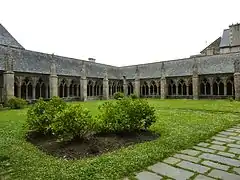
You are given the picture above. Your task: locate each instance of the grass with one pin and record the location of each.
(182, 123)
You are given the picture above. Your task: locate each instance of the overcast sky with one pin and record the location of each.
(118, 32)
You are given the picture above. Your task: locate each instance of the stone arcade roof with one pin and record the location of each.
(7, 39)
(36, 62)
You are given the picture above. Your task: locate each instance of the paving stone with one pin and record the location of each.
(171, 160)
(234, 150)
(226, 154)
(145, 175)
(218, 147)
(228, 133)
(204, 149)
(191, 152)
(203, 144)
(234, 145)
(215, 165)
(235, 137)
(220, 159)
(223, 139)
(202, 177)
(187, 158)
(221, 135)
(218, 142)
(194, 167)
(237, 170)
(170, 171)
(223, 175)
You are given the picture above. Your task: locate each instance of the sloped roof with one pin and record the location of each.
(225, 41)
(6, 39)
(215, 44)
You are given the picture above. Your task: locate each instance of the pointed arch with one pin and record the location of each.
(130, 88)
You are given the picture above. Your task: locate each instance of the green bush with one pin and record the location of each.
(134, 96)
(74, 121)
(118, 95)
(41, 115)
(126, 115)
(231, 99)
(16, 103)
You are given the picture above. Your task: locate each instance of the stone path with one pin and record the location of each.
(218, 158)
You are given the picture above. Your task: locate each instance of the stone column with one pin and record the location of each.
(46, 91)
(137, 87)
(163, 88)
(19, 90)
(8, 85)
(53, 80)
(125, 87)
(53, 84)
(237, 85)
(83, 92)
(34, 91)
(105, 89)
(195, 84)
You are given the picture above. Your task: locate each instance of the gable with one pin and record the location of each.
(6, 39)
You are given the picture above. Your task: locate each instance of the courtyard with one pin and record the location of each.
(180, 124)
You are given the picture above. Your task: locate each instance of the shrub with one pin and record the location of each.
(16, 103)
(118, 95)
(231, 99)
(126, 115)
(73, 121)
(134, 96)
(41, 115)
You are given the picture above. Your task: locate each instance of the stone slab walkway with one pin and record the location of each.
(218, 158)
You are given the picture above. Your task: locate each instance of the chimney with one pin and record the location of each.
(92, 59)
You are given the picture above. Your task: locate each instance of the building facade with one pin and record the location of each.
(215, 73)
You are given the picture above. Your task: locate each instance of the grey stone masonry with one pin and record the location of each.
(219, 158)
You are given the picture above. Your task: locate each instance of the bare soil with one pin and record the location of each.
(96, 145)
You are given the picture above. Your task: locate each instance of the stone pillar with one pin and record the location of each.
(163, 88)
(137, 87)
(34, 92)
(105, 89)
(83, 89)
(125, 87)
(8, 85)
(46, 91)
(195, 80)
(19, 91)
(237, 85)
(53, 84)
(195, 84)
(53, 80)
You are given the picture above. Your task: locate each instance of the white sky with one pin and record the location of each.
(118, 32)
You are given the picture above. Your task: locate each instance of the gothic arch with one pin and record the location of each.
(130, 88)
(153, 88)
(26, 88)
(205, 87)
(230, 85)
(145, 89)
(90, 88)
(171, 87)
(40, 89)
(63, 88)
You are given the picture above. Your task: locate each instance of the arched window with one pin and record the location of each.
(90, 88)
(130, 88)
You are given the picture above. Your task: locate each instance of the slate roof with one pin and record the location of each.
(225, 41)
(7, 39)
(37, 62)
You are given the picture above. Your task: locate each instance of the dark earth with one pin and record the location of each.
(94, 146)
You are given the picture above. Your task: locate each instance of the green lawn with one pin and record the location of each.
(182, 123)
